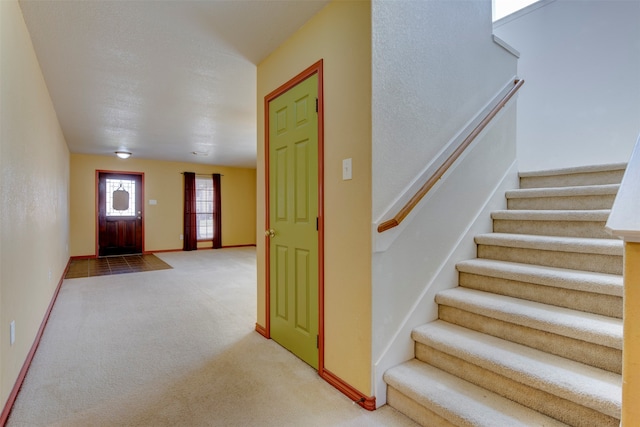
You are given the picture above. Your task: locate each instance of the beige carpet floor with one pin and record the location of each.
(175, 348)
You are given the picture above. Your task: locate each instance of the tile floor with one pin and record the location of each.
(114, 265)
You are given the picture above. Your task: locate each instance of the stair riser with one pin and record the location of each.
(420, 414)
(588, 229)
(571, 180)
(546, 403)
(606, 305)
(599, 356)
(562, 203)
(611, 264)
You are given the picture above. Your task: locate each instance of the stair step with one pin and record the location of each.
(428, 395)
(593, 328)
(597, 293)
(598, 283)
(581, 197)
(584, 337)
(551, 384)
(599, 255)
(577, 176)
(568, 223)
(536, 319)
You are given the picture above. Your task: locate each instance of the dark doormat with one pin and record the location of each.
(114, 265)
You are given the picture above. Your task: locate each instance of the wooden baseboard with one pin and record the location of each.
(199, 249)
(262, 331)
(161, 251)
(27, 363)
(80, 257)
(367, 402)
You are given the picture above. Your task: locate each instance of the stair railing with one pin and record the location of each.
(438, 174)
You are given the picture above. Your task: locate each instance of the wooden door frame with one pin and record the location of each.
(97, 209)
(313, 69)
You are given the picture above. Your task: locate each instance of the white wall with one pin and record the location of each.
(421, 261)
(434, 67)
(435, 71)
(581, 63)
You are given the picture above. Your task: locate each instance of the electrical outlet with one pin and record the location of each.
(49, 275)
(181, 237)
(12, 332)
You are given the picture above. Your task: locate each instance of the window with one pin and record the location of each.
(204, 208)
(502, 8)
(121, 196)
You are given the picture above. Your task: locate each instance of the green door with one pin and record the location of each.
(293, 212)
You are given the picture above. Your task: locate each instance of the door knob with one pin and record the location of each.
(270, 232)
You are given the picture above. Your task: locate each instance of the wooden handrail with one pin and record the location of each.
(412, 203)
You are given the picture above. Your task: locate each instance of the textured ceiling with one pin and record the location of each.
(162, 79)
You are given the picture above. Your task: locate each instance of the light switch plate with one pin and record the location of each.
(347, 172)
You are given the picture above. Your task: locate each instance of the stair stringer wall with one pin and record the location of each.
(438, 234)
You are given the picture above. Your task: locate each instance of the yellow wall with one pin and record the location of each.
(164, 183)
(34, 195)
(341, 35)
(631, 350)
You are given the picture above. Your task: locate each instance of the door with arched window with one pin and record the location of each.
(120, 213)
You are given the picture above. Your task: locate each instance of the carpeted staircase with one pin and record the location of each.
(532, 336)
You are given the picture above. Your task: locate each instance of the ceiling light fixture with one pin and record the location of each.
(123, 154)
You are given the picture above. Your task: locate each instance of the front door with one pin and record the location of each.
(119, 213)
(293, 220)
